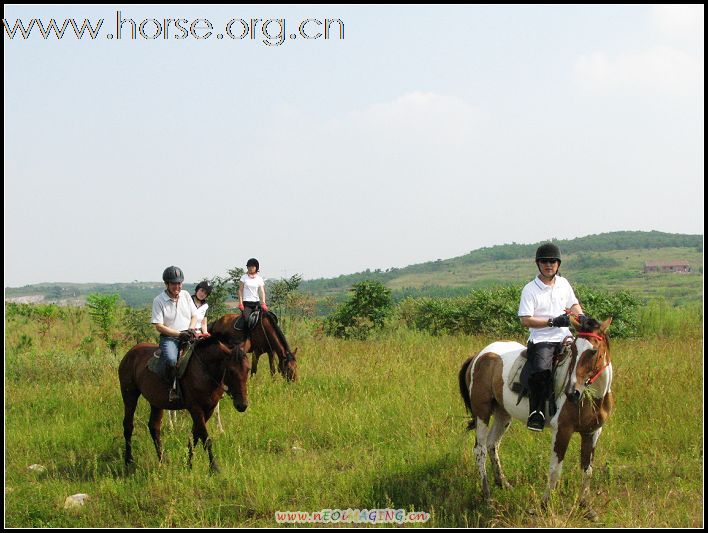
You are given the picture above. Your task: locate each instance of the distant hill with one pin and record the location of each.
(610, 261)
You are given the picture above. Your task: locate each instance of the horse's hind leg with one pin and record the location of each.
(130, 402)
(480, 453)
(154, 427)
(500, 424)
(587, 452)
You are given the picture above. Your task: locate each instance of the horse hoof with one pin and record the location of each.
(591, 515)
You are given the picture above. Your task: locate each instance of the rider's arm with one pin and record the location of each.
(240, 292)
(534, 321)
(164, 330)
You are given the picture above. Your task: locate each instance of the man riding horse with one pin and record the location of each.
(547, 296)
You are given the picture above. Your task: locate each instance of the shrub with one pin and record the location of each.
(364, 312)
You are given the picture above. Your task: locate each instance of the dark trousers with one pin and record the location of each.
(540, 383)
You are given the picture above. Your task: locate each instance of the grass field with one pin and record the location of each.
(371, 424)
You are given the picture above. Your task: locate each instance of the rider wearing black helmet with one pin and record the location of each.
(174, 316)
(251, 289)
(544, 307)
(201, 293)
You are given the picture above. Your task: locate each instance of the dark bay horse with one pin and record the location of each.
(212, 368)
(584, 401)
(264, 338)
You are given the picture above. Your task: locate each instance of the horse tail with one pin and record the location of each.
(464, 391)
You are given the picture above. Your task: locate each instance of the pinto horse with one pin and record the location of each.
(264, 338)
(584, 401)
(212, 368)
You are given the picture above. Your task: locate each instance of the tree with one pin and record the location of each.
(364, 312)
(103, 309)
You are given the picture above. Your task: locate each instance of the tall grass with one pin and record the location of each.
(370, 424)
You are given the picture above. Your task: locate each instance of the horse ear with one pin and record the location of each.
(605, 325)
(574, 322)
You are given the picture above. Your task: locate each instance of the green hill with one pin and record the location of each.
(610, 261)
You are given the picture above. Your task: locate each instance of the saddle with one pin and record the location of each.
(185, 353)
(515, 383)
(253, 319)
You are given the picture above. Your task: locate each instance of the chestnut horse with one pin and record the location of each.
(264, 338)
(584, 401)
(212, 368)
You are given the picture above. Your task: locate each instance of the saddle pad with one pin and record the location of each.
(514, 382)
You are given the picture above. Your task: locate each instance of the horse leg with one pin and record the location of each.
(587, 452)
(254, 363)
(480, 453)
(190, 452)
(154, 426)
(218, 419)
(500, 424)
(130, 402)
(559, 443)
(199, 432)
(271, 361)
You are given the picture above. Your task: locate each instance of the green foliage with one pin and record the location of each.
(364, 312)
(224, 288)
(103, 310)
(494, 312)
(136, 322)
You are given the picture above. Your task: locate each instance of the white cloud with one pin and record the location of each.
(677, 22)
(660, 68)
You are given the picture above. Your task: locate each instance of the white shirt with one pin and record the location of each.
(201, 313)
(173, 314)
(541, 300)
(250, 287)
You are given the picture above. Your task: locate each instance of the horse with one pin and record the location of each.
(584, 402)
(264, 338)
(212, 368)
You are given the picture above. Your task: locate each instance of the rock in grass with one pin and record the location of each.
(37, 469)
(75, 501)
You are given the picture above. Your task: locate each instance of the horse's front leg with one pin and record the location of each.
(587, 452)
(154, 426)
(271, 361)
(199, 432)
(559, 445)
(254, 363)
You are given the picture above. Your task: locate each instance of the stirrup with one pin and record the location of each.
(173, 396)
(536, 421)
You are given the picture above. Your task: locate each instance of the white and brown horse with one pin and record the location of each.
(584, 401)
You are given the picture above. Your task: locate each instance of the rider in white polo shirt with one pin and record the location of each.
(174, 316)
(547, 296)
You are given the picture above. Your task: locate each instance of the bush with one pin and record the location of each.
(494, 312)
(364, 312)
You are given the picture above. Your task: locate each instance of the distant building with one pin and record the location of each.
(668, 266)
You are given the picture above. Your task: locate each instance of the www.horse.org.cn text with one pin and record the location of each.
(271, 31)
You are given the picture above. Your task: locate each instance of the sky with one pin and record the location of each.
(420, 133)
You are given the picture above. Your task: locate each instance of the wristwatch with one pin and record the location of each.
(550, 322)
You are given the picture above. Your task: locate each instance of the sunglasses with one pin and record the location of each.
(548, 261)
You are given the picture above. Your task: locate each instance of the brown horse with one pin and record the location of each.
(212, 368)
(264, 338)
(584, 401)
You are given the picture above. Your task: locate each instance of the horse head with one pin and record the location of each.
(288, 365)
(237, 369)
(591, 357)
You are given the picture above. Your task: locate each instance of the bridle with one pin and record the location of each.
(591, 379)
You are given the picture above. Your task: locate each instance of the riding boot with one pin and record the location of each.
(537, 388)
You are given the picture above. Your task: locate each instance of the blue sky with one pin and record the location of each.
(424, 133)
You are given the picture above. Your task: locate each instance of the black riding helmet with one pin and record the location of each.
(253, 262)
(548, 251)
(208, 287)
(173, 274)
